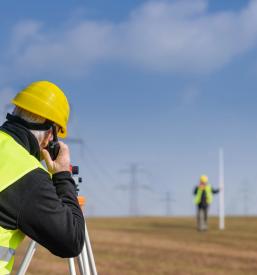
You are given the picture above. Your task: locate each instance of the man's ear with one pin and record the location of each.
(46, 140)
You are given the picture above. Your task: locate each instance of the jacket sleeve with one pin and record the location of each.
(215, 191)
(50, 214)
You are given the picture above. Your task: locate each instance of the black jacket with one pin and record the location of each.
(44, 209)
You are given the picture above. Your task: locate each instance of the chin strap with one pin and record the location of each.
(30, 125)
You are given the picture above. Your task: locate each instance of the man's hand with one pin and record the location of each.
(62, 162)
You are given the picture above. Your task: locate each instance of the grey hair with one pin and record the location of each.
(30, 117)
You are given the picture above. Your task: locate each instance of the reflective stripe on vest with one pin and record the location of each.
(6, 253)
(6, 259)
(15, 162)
(199, 193)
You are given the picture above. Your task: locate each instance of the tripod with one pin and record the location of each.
(85, 259)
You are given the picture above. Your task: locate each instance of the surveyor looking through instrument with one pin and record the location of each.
(34, 201)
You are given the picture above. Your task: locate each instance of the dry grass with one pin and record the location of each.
(130, 246)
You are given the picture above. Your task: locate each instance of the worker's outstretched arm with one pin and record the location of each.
(215, 191)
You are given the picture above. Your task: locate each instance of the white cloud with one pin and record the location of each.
(178, 36)
(190, 96)
(22, 33)
(70, 51)
(193, 41)
(6, 94)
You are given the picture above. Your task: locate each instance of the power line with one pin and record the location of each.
(77, 141)
(100, 175)
(133, 188)
(168, 203)
(101, 168)
(104, 190)
(245, 195)
(100, 195)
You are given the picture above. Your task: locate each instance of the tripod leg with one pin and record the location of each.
(81, 265)
(27, 258)
(89, 252)
(85, 260)
(72, 266)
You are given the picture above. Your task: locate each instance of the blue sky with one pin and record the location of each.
(162, 84)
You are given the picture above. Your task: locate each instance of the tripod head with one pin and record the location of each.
(75, 172)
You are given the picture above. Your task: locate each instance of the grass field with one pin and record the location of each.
(129, 246)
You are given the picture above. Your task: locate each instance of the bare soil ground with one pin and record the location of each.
(132, 246)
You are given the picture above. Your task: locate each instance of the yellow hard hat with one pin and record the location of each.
(47, 100)
(204, 179)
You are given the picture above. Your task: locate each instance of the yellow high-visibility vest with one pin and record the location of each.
(15, 162)
(199, 193)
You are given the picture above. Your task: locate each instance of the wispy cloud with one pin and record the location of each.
(6, 94)
(190, 95)
(179, 36)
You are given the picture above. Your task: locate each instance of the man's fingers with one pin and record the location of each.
(61, 163)
(47, 157)
(64, 147)
(64, 150)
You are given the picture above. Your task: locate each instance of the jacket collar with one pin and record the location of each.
(23, 136)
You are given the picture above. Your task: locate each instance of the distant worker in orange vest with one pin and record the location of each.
(203, 198)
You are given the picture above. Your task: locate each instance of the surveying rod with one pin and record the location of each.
(221, 187)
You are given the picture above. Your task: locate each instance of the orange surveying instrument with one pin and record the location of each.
(85, 260)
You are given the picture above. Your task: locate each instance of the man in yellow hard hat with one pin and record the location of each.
(34, 201)
(203, 198)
